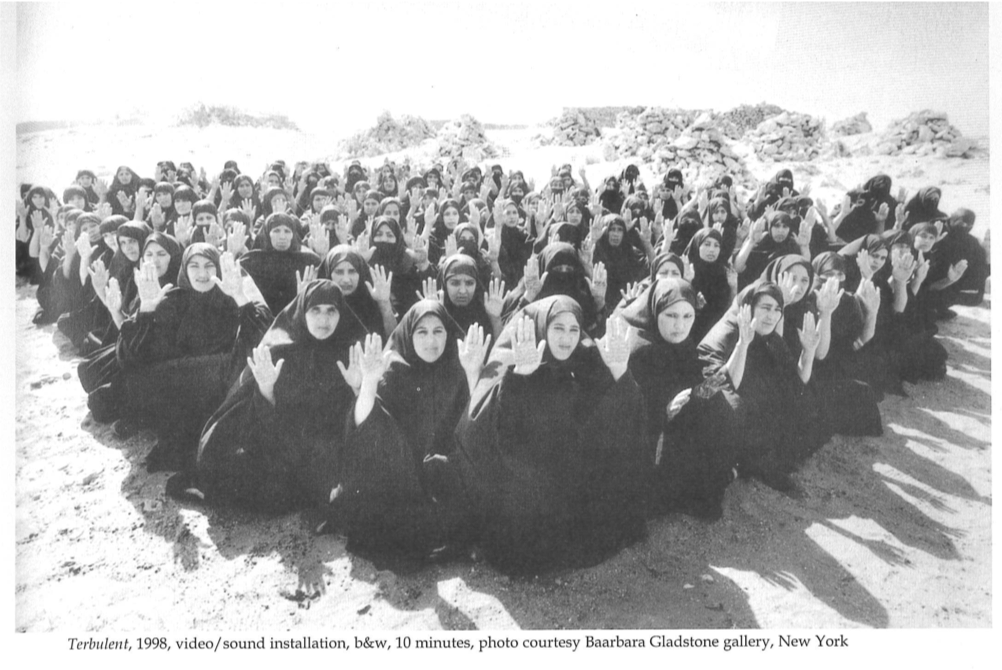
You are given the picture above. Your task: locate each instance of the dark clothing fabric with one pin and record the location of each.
(360, 302)
(710, 280)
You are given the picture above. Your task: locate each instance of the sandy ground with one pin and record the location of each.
(892, 531)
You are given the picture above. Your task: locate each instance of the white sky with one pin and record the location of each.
(504, 61)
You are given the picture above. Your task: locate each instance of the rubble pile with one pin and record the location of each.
(787, 137)
(387, 136)
(464, 137)
(574, 128)
(702, 153)
(639, 135)
(854, 125)
(738, 121)
(923, 133)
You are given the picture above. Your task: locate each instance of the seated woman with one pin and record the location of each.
(770, 237)
(718, 212)
(713, 278)
(277, 259)
(690, 450)
(399, 492)
(958, 266)
(775, 412)
(468, 302)
(449, 216)
(552, 447)
(409, 268)
(624, 263)
(274, 443)
(81, 311)
(98, 370)
(366, 294)
(130, 239)
(183, 349)
(923, 207)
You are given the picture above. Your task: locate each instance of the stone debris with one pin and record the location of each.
(702, 153)
(787, 137)
(854, 125)
(464, 138)
(924, 133)
(387, 136)
(639, 135)
(738, 121)
(573, 128)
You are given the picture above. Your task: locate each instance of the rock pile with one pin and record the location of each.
(388, 135)
(638, 135)
(464, 137)
(854, 125)
(738, 121)
(787, 137)
(923, 133)
(574, 128)
(702, 153)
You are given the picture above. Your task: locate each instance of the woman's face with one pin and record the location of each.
(183, 207)
(801, 282)
(563, 335)
(779, 232)
(675, 322)
(322, 320)
(511, 215)
(432, 180)
(392, 211)
(111, 241)
(164, 199)
(450, 215)
(517, 192)
(124, 175)
(281, 238)
(616, 235)
(669, 270)
(384, 234)
(829, 274)
(460, 289)
(279, 203)
(200, 271)
(388, 183)
(709, 250)
(205, 219)
(318, 202)
(346, 277)
(768, 313)
(38, 200)
(898, 252)
(610, 185)
(877, 259)
(91, 229)
(719, 215)
(157, 255)
(130, 248)
(369, 206)
(574, 216)
(274, 181)
(77, 201)
(85, 180)
(245, 189)
(429, 338)
(924, 241)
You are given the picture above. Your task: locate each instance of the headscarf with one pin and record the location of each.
(274, 221)
(394, 256)
(172, 247)
(289, 327)
(778, 266)
(872, 244)
(666, 257)
(687, 224)
(643, 312)
(474, 312)
(924, 206)
(573, 284)
(360, 301)
(715, 349)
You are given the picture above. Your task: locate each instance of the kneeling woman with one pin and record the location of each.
(273, 443)
(778, 419)
(398, 491)
(183, 349)
(552, 445)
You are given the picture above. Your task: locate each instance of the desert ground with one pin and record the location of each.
(890, 532)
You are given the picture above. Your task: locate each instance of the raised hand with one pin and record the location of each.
(882, 212)
(379, 287)
(732, 278)
(472, 350)
(309, 274)
(430, 215)
(362, 245)
(319, 241)
(113, 297)
(902, 267)
(746, 326)
(125, 200)
(791, 293)
(494, 243)
(528, 354)
(451, 247)
(869, 297)
(810, 334)
(494, 298)
(899, 217)
(373, 360)
(104, 210)
(182, 229)
(598, 283)
(226, 194)
(688, 271)
(45, 236)
(614, 347)
(38, 219)
(247, 207)
(758, 230)
(265, 371)
(863, 262)
(631, 292)
(20, 208)
(645, 231)
(148, 287)
(921, 269)
(805, 234)
(100, 187)
(829, 295)
(231, 283)
(587, 251)
(957, 270)
(429, 290)
(84, 248)
(69, 244)
(420, 251)
(702, 200)
(902, 195)
(533, 282)
(215, 234)
(353, 373)
(628, 218)
(99, 278)
(157, 217)
(236, 241)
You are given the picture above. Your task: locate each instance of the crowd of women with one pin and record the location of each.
(456, 357)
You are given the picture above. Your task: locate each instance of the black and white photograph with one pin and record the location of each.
(419, 324)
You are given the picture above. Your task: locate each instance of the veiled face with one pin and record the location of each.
(563, 335)
(322, 320)
(675, 322)
(429, 338)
